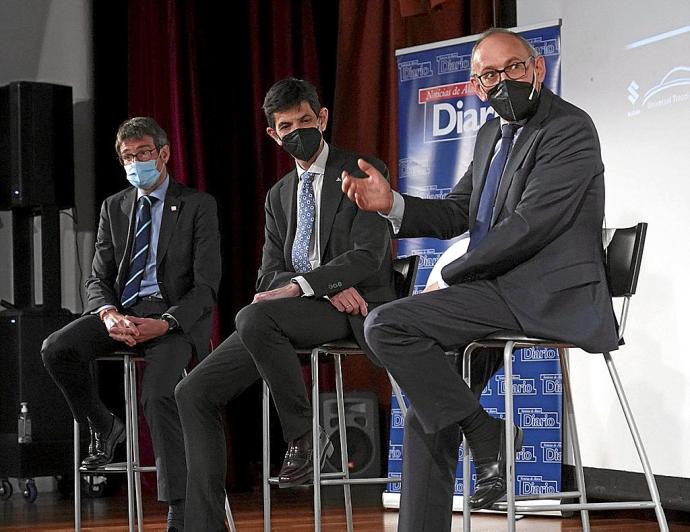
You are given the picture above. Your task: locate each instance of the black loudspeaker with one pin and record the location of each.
(36, 145)
(24, 379)
(363, 436)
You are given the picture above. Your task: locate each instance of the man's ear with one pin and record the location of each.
(272, 133)
(165, 153)
(323, 118)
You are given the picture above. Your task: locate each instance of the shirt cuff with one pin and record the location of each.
(307, 290)
(395, 216)
(101, 309)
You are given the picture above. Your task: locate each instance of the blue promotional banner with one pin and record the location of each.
(439, 116)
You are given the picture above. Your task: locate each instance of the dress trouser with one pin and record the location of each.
(410, 337)
(263, 347)
(67, 355)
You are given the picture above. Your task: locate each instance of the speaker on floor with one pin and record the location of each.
(36, 145)
(362, 428)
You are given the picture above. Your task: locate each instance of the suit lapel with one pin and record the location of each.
(522, 145)
(331, 196)
(484, 150)
(288, 198)
(127, 218)
(171, 209)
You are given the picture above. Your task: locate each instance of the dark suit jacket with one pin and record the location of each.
(545, 249)
(188, 257)
(355, 245)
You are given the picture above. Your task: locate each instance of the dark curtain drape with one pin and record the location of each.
(201, 68)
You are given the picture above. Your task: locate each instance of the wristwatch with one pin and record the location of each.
(172, 322)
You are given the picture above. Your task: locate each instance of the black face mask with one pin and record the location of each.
(514, 100)
(302, 143)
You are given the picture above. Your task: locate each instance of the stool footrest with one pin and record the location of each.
(117, 467)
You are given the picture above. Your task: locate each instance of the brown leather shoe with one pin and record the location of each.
(298, 465)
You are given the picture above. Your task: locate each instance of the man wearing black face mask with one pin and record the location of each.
(533, 202)
(325, 264)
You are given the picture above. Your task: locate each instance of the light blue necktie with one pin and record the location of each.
(306, 214)
(493, 177)
(140, 251)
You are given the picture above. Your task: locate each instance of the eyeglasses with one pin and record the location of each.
(514, 71)
(141, 156)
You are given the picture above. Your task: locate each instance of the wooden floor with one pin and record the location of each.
(291, 512)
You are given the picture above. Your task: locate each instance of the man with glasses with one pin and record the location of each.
(153, 284)
(533, 202)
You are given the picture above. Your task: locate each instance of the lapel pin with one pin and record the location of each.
(339, 179)
(173, 208)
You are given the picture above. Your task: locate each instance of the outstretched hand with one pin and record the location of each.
(370, 193)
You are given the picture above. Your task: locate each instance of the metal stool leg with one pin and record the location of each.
(466, 453)
(77, 479)
(133, 411)
(343, 441)
(315, 437)
(128, 424)
(266, 466)
(510, 443)
(649, 476)
(228, 515)
(574, 437)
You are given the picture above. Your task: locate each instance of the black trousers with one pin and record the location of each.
(410, 337)
(67, 355)
(263, 347)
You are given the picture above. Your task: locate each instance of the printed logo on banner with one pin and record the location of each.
(536, 418)
(461, 453)
(526, 454)
(546, 46)
(459, 486)
(520, 386)
(429, 191)
(396, 484)
(495, 412)
(672, 89)
(409, 167)
(397, 419)
(453, 62)
(536, 485)
(415, 69)
(452, 112)
(538, 354)
(427, 257)
(551, 452)
(487, 391)
(418, 289)
(551, 384)
(395, 452)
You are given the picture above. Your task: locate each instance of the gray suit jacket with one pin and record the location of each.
(188, 257)
(355, 245)
(545, 249)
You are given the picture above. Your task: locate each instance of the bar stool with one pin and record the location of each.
(132, 466)
(406, 271)
(623, 260)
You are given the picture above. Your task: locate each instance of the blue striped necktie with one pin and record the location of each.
(306, 214)
(140, 251)
(493, 177)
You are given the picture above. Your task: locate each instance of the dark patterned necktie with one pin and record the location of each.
(306, 214)
(140, 252)
(493, 177)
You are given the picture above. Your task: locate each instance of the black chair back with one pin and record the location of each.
(623, 259)
(405, 274)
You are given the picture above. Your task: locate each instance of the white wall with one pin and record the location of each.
(646, 150)
(50, 41)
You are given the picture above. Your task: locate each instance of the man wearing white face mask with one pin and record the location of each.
(153, 283)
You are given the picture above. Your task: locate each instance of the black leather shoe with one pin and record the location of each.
(491, 474)
(298, 466)
(104, 447)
